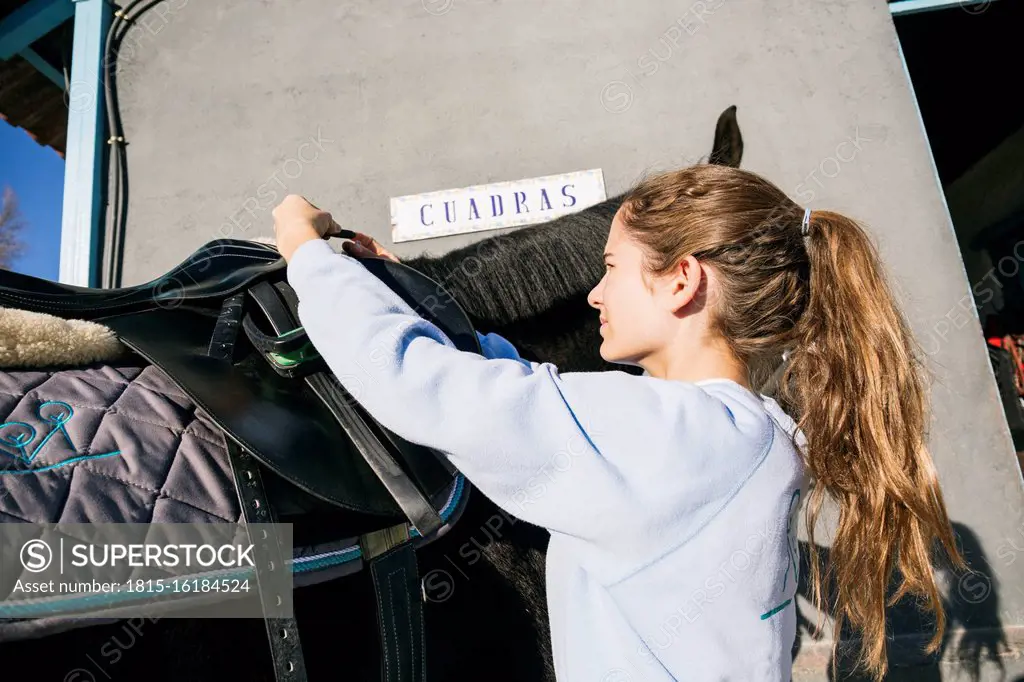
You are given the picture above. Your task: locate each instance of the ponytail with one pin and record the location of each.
(856, 380)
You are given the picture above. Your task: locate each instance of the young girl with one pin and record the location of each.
(671, 498)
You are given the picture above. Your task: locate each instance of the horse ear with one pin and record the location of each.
(727, 149)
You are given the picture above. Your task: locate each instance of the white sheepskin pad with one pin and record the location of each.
(31, 340)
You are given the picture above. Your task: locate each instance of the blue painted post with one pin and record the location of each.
(82, 218)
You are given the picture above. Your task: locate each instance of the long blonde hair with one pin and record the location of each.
(854, 377)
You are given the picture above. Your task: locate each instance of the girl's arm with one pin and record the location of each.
(501, 420)
(596, 455)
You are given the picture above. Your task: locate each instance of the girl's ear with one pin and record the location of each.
(684, 283)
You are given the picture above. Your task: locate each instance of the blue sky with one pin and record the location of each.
(36, 174)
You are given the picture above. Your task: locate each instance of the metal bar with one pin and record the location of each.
(82, 209)
(30, 22)
(905, 7)
(43, 66)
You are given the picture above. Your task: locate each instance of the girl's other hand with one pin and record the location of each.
(363, 245)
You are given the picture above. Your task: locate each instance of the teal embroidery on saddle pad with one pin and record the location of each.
(16, 439)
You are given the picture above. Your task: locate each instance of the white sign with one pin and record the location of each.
(490, 207)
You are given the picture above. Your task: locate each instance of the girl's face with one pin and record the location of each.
(640, 316)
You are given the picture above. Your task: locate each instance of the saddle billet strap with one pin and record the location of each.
(283, 317)
(413, 503)
(268, 555)
(282, 633)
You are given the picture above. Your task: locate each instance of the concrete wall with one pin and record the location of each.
(352, 103)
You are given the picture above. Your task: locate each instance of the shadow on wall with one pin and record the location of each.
(974, 633)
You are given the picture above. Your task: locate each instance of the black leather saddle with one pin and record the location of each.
(224, 326)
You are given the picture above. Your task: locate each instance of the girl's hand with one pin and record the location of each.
(297, 221)
(363, 245)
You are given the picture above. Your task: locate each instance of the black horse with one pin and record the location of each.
(486, 614)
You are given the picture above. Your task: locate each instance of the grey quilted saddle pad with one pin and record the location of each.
(109, 444)
(120, 443)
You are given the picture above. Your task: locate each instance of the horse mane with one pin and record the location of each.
(525, 273)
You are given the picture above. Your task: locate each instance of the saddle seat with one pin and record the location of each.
(218, 269)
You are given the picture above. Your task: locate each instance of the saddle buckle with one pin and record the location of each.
(378, 542)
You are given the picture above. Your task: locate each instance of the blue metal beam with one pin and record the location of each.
(43, 66)
(82, 210)
(30, 22)
(903, 7)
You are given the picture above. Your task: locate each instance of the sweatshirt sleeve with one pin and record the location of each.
(504, 422)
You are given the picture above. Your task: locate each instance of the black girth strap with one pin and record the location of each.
(268, 555)
(396, 583)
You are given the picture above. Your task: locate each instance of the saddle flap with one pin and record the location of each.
(279, 420)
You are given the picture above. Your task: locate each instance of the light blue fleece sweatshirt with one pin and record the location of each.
(671, 505)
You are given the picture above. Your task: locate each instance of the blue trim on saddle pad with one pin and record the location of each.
(37, 608)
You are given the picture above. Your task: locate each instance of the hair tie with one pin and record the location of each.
(805, 225)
